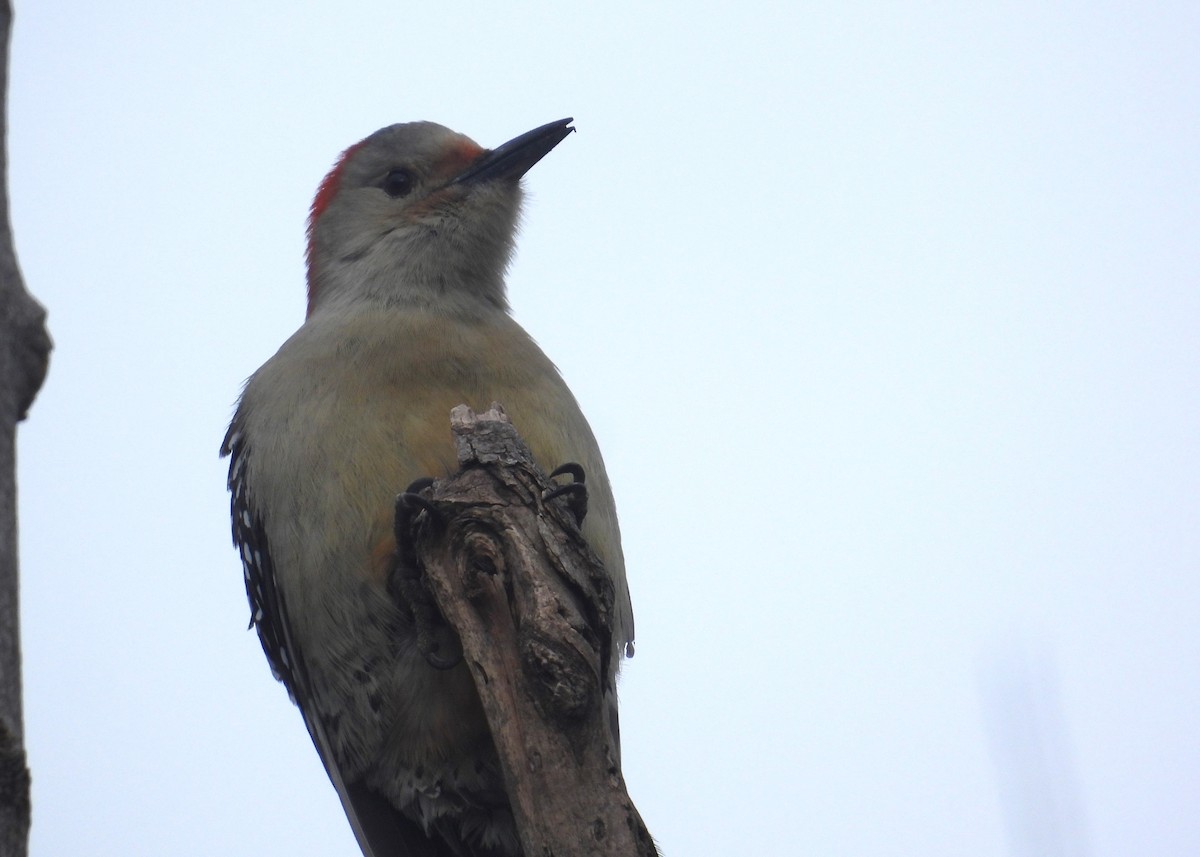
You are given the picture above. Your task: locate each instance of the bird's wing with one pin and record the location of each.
(381, 830)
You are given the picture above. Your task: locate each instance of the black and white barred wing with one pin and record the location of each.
(381, 831)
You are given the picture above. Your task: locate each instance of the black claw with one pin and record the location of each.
(414, 501)
(417, 503)
(575, 489)
(575, 492)
(575, 470)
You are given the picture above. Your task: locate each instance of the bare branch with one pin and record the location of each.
(533, 608)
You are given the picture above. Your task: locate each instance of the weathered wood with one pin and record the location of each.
(532, 606)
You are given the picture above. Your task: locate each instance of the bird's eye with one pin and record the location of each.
(398, 183)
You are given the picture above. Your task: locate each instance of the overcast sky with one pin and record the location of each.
(886, 317)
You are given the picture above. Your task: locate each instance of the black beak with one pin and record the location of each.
(514, 158)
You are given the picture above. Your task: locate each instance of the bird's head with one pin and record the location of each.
(417, 214)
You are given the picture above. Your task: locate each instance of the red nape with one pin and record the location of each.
(325, 193)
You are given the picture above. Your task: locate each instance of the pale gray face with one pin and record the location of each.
(390, 223)
(398, 168)
(417, 215)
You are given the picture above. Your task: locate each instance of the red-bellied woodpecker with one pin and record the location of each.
(408, 241)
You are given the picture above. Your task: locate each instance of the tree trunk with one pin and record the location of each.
(24, 355)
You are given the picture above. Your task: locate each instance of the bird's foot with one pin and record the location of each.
(575, 491)
(436, 641)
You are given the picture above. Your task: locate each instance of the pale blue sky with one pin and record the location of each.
(886, 316)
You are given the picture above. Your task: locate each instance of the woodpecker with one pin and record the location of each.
(409, 239)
